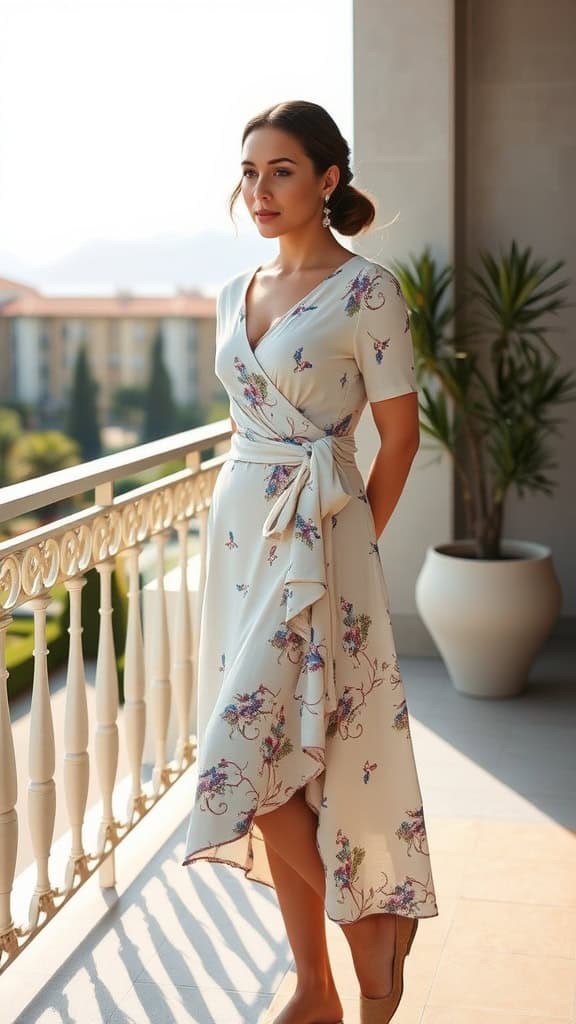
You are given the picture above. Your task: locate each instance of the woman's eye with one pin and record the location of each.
(280, 170)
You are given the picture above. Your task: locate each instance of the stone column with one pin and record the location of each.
(403, 154)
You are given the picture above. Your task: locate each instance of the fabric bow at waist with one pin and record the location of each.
(319, 463)
(304, 507)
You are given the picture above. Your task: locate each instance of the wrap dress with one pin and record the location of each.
(298, 677)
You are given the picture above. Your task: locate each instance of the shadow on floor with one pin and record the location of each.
(513, 758)
(192, 936)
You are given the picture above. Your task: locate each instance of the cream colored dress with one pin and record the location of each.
(299, 684)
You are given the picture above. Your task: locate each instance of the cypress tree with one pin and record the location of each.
(159, 407)
(82, 422)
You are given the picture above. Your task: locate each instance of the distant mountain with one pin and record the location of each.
(201, 261)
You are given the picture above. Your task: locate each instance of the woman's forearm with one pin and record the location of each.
(386, 480)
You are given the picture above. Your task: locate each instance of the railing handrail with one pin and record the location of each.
(18, 499)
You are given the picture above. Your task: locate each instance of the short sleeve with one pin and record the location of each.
(383, 347)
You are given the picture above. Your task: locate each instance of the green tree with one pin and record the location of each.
(82, 421)
(190, 416)
(35, 454)
(159, 409)
(10, 430)
(128, 405)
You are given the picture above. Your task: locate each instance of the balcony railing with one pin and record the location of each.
(31, 565)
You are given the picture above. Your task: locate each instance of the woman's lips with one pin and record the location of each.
(266, 215)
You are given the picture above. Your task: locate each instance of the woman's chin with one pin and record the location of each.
(270, 230)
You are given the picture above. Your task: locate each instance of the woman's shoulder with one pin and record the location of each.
(384, 273)
(234, 283)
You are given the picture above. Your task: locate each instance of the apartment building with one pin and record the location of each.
(40, 336)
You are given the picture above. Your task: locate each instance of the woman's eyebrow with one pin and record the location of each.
(277, 160)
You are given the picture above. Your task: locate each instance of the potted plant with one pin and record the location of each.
(489, 396)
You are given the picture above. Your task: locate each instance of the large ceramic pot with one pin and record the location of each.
(488, 618)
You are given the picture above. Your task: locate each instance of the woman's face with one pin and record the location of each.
(277, 176)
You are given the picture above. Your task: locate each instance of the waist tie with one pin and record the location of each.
(303, 506)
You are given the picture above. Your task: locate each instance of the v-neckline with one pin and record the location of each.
(281, 319)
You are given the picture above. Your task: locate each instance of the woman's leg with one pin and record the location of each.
(290, 833)
(315, 998)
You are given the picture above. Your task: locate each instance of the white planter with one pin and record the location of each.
(488, 618)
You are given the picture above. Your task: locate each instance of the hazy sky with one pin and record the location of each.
(121, 119)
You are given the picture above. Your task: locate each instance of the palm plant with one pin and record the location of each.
(489, 393)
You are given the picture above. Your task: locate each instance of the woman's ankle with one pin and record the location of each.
(315, 978)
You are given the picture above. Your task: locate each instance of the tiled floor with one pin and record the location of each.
(499, 788)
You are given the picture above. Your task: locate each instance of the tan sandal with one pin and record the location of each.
(381, 1011)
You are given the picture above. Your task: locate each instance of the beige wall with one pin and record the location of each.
(403, 153)
(520, 177)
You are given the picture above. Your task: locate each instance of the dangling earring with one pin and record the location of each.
(326, 211)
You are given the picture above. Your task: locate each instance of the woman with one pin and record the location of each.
(306, 773)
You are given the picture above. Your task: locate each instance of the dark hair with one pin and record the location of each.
(351, 210)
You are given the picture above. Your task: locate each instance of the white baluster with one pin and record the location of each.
(41, 762)
(134, 706)
(106, 736)
(182, 658)
(203, 531)
(8, 796)
(160, 692)
(76, 760)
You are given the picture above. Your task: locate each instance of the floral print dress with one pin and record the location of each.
(299, 684)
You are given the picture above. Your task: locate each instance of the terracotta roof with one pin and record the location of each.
(9, 287)
(34, 304)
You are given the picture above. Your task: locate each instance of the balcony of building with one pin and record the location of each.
(462, 126)
(99, 921)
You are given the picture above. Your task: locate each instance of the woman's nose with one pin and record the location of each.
(261, 188)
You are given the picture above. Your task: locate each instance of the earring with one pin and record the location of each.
(326, 212)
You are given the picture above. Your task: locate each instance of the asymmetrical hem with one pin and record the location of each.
(298, 679)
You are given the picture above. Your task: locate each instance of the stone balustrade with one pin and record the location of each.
(61, 552)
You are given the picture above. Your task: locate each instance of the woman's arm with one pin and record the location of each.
(396, 420)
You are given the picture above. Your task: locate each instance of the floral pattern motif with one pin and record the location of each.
(357, 292)
(301, 364)
(288, 643)
(379, 347)
(355, 637)
(309, 692)
(277, 481)
(242, 714)
(412, 832)
(341, 428)
(367, 771)
(255, 385)
(306, 531)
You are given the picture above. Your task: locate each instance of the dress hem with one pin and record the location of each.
(202, 854)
